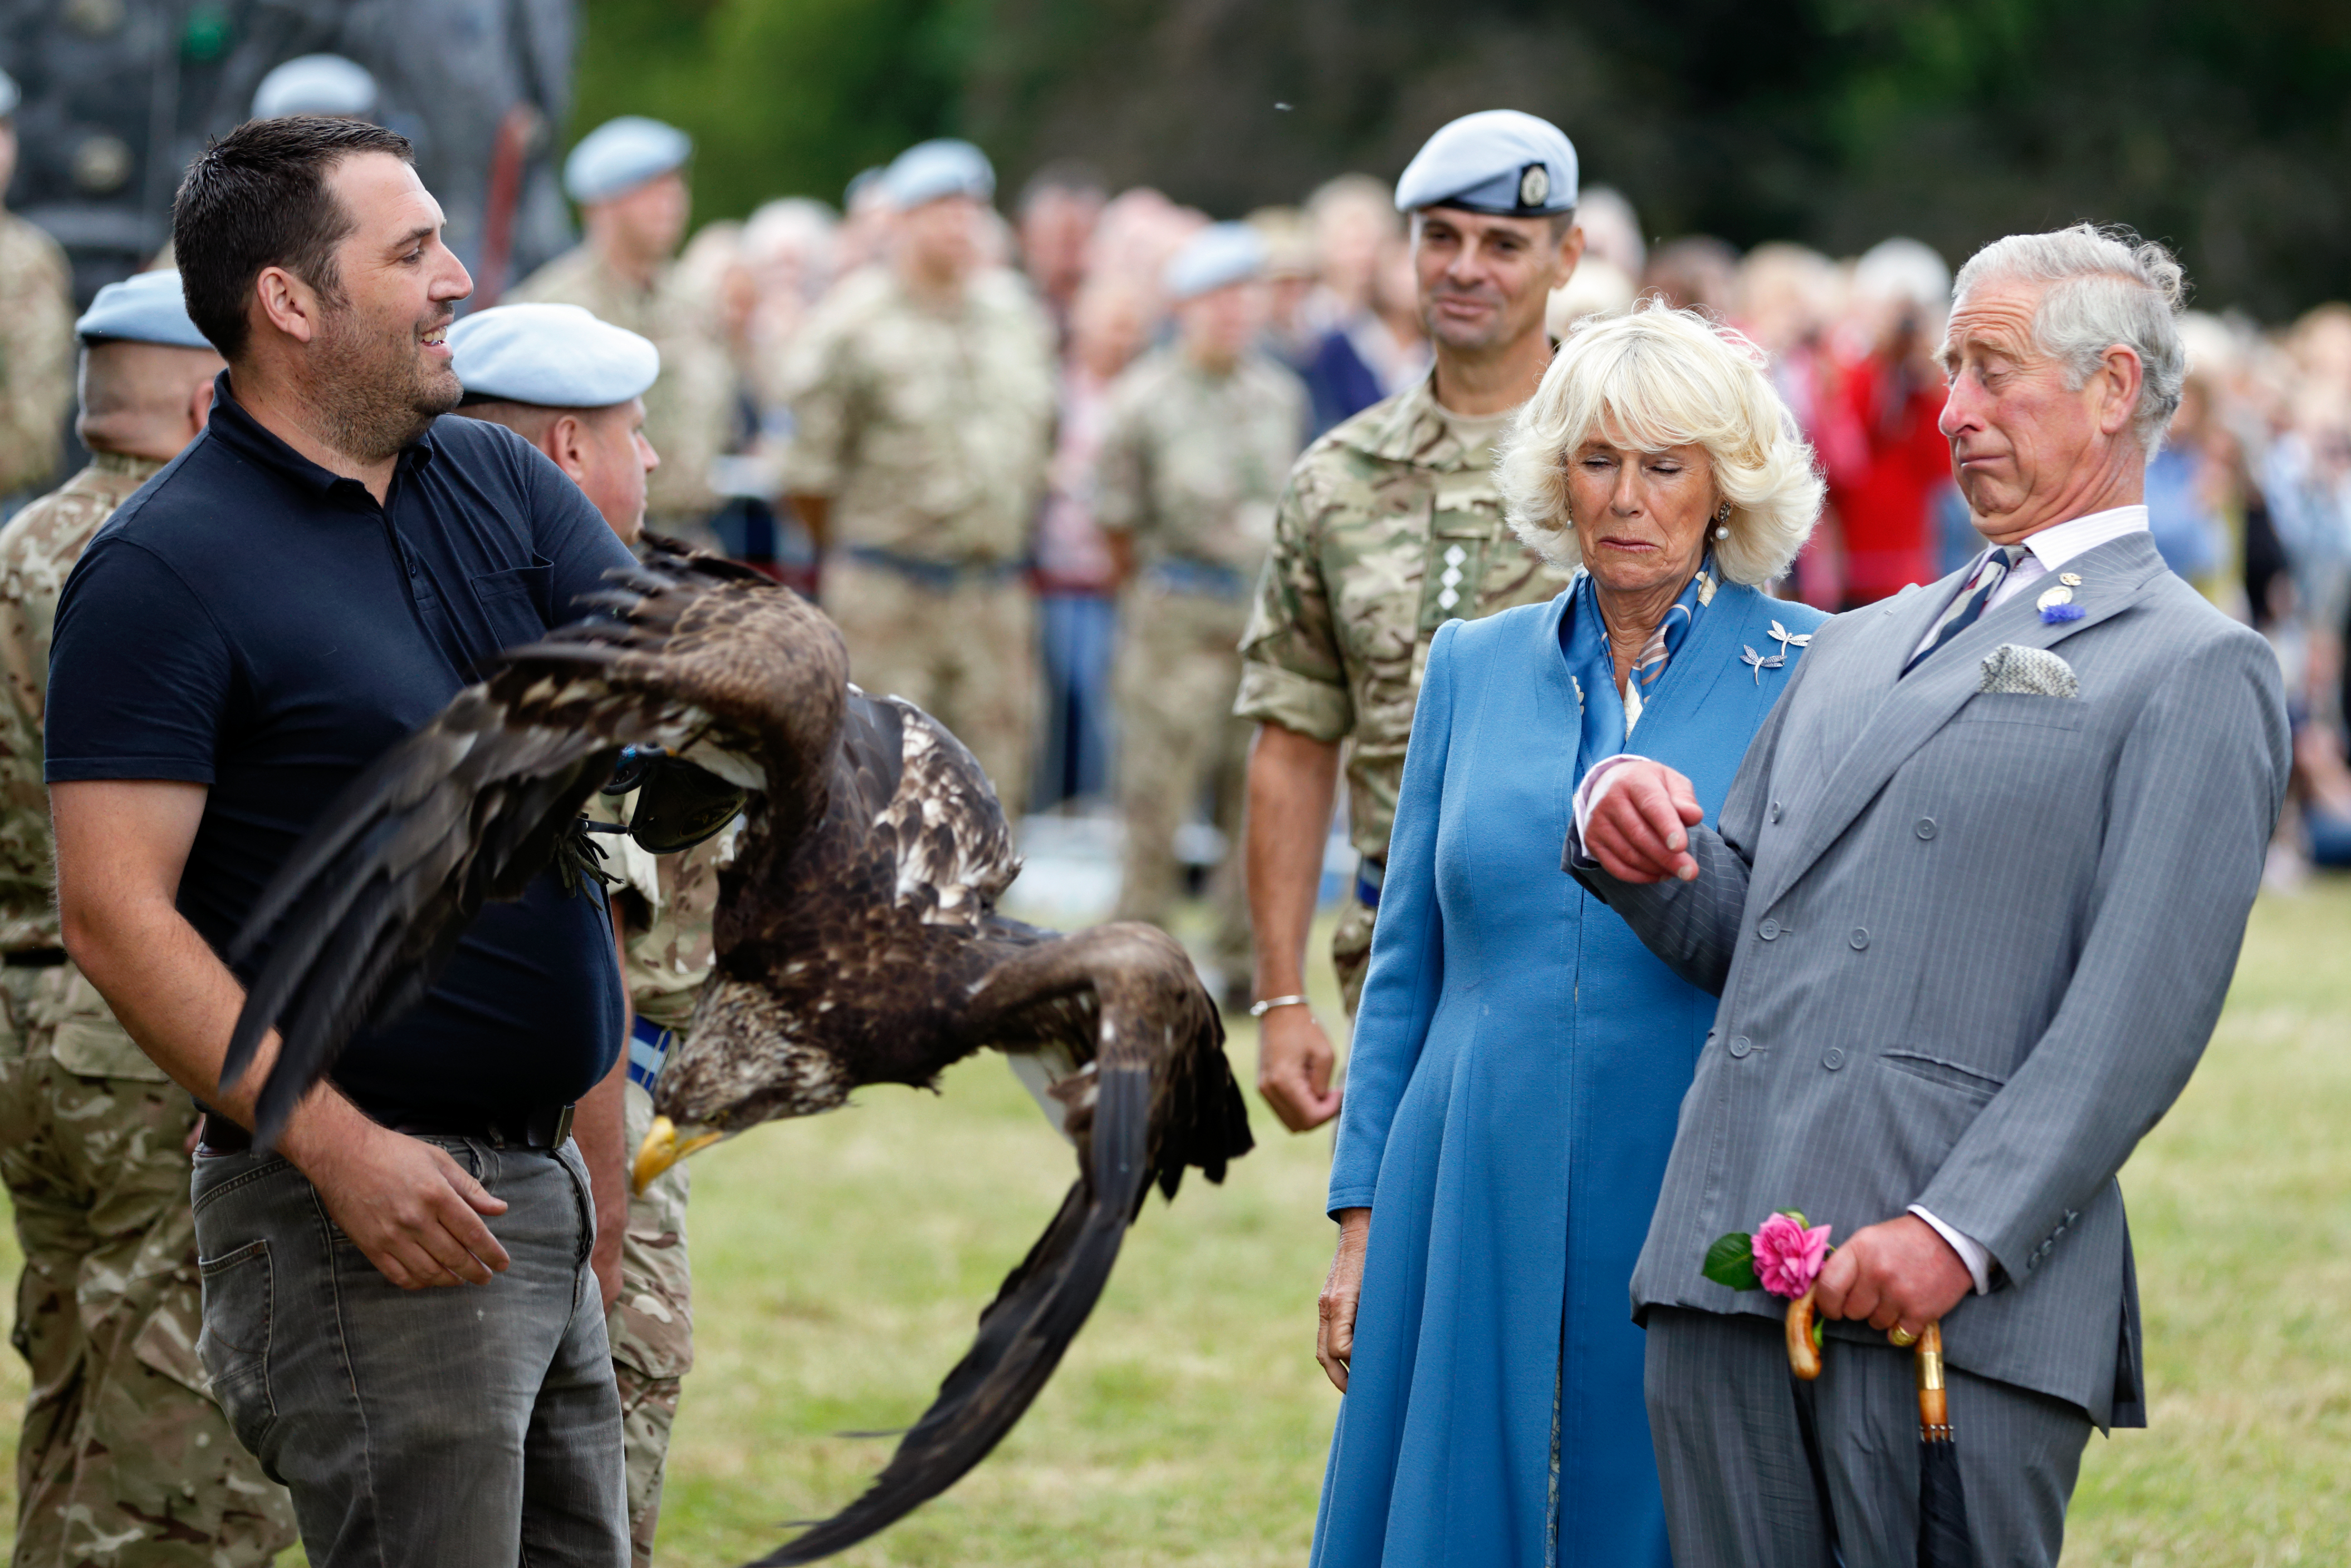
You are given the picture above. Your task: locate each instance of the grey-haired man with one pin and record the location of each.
(1971, 906)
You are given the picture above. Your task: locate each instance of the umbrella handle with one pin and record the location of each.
(1803, 1347)
(1934, 1399)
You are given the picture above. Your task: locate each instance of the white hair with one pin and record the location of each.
(2099, 287)
(1656, 378)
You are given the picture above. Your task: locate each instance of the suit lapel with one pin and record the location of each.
(1891, 724)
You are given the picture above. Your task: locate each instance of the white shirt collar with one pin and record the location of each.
(2053, 547)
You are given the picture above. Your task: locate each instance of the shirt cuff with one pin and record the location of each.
(1971, 1252)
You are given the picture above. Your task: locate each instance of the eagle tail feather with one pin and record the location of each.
(1023, 1333)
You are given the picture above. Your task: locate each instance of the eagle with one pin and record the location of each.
(857, 935)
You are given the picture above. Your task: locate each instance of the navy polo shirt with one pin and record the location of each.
(252, 623)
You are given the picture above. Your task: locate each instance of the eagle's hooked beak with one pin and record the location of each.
(661, 1150)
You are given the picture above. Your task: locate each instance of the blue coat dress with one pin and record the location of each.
(1518, 1061)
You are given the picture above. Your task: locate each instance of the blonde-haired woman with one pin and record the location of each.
(1518, 1057)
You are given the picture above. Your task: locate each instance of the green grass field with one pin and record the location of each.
(841, 1262)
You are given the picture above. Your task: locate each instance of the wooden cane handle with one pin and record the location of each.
(1804, 1355)
(1934, 1399)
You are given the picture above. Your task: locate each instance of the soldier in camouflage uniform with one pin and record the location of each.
(573, 387)
(922, 395)
(1198, 438)
(35, 336)
(663, 916)
(1391, 527)
(627, 177)
(124, 1461)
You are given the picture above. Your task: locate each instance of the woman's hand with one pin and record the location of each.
(1335, 1337)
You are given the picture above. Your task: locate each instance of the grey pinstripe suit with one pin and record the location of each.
(1969, 947)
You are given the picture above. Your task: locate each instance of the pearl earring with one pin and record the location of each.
(1723, 516)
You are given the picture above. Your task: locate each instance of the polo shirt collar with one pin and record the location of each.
(235, 428)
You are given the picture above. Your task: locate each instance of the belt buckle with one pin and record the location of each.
(563, 1124)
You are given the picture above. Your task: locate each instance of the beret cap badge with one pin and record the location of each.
(1534, 185)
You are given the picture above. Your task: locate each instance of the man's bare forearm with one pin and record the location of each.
(1292, 782)
(600, 1128)
(158, 975)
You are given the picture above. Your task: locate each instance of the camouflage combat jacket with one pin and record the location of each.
(36, 353)
(667, 903)
(929, 429)
(690, 407)
(1388, 529)
(38, 549)
(1192, 462)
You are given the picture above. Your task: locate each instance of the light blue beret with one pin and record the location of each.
(621, 154)
(558, 356)
(1218, 254)
(929, 170)
(145, 308)
(1498, 162)
(10, 95)
(316, 84)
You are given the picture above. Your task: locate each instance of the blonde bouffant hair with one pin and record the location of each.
(1653, 377)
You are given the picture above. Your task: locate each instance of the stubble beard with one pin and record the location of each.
(372, 392)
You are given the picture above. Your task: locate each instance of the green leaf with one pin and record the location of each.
(1731, 1261)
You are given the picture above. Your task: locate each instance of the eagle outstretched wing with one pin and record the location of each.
(705, 658)
(1154, 1095)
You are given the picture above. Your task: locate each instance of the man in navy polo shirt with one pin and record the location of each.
(315, 576)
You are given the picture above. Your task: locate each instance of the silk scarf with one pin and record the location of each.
(1611, 714)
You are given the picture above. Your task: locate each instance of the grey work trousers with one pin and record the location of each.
(464, 1427)
(1739, 1493)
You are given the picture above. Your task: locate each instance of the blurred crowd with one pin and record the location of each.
(2251, 496)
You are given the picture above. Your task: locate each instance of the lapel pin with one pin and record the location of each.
(2057, 605)
(2070, 579)
(1787, 640)
(1762, 662)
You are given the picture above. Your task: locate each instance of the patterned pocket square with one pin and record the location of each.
(2032, 671)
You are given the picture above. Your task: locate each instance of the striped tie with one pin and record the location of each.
(1969, 610)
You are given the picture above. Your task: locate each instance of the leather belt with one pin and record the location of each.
(541, 1127)
(1199, 579)
(938, 576)
(34, 959)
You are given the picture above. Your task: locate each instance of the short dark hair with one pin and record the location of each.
(258, 198)
(1072, 176)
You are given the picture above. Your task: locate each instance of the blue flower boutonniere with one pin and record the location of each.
(2057, 605)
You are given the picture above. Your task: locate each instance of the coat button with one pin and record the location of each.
(1740, 1045)
(1832, 1058)
(1860, 938)
(1769, 930)
(1926, 828)
(1775, 811)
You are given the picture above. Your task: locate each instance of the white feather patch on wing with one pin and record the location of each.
(955, 854)
(1039, 1071)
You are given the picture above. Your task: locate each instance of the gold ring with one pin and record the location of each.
(1903, 1338)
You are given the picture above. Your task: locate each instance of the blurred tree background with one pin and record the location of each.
(2225, 128)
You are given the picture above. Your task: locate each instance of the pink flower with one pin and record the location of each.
(1788, 1257)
